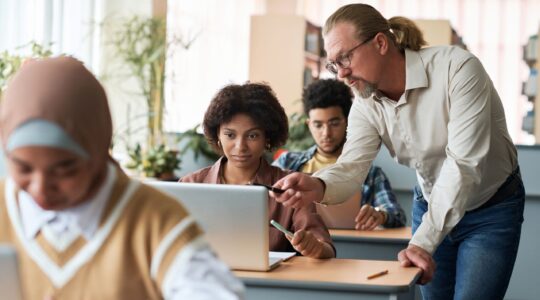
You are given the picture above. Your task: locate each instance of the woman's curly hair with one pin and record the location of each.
(256, 100)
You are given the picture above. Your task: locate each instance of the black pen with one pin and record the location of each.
(270, 188)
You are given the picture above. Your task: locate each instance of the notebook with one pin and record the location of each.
(233, 217)
(341, 216)
(10, 286)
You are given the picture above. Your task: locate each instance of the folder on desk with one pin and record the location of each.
(284, 256)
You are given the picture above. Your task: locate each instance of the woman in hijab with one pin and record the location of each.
(242, 122)
(82, 229)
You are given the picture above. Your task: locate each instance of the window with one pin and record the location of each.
(66, 26)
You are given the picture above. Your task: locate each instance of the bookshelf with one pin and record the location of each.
(439, 32)
(286, 51)
(531, 53)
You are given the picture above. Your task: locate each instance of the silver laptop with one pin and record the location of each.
(10, 286)
(234, 219)
(341, 216)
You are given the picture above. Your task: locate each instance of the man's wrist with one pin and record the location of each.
(323, 184)
(383, 213)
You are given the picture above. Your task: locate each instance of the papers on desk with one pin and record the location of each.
(281, 255)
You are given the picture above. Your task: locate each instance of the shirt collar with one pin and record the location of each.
(415, 73)
(312, 150)
(215, 171)
(85, 216)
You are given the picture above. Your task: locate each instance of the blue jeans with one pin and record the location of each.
(475, 260)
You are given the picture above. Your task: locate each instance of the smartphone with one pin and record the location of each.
(281, 228)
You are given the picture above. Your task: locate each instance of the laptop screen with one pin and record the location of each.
(234, 219)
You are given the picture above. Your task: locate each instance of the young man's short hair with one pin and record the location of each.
(326, 93)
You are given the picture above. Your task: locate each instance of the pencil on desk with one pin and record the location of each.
(377, 274)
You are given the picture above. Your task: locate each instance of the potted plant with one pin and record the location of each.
(157, 162)
(141, 44)
(10, 63)
(299, 139)
(194, 141)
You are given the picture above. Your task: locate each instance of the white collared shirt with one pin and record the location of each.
(449, 125)
(64, 226)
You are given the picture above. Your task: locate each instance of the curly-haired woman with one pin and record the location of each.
(241, 123)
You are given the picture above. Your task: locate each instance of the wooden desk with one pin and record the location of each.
(336, 279)
(383, 244)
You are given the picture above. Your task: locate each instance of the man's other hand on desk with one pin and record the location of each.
(416, 256)
(300, 190)
(308, 245)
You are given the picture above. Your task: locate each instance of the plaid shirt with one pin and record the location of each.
(376, 190)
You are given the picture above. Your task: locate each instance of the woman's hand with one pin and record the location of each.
(308, 245)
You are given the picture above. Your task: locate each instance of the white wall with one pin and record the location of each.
(218, 55)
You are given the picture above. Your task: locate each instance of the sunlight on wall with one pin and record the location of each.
(217, 56)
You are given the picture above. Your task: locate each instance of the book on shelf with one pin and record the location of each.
(530, 88)
(530, 51)
(528, 122)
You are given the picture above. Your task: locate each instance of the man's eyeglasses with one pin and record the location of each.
(344, 60)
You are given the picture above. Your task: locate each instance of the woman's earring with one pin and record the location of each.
(219, 143)
(268, 147)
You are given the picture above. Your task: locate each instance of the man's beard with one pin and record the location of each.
(366, 92)
(337, 149)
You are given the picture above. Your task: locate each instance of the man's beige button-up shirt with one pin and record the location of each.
(449, 125)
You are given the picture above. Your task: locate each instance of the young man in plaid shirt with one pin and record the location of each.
(327, 104)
